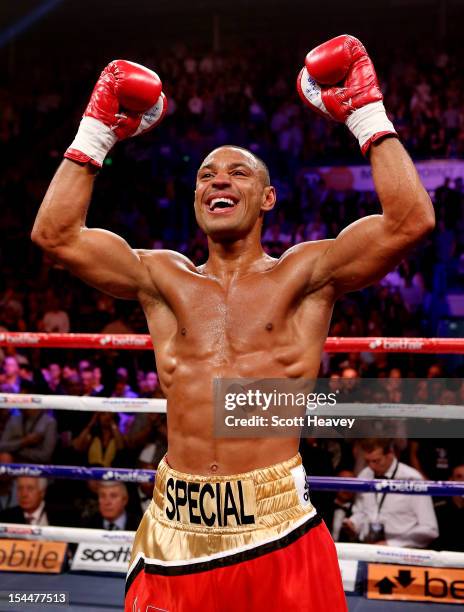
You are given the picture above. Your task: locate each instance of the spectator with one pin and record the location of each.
(8, 497)
(348, 384)
(52, 376)
(113, 498)
(11, 300)
(98, 386)
(100, 440)
(11, 379)
(342, 509)
(394, 386)
(391, 519)
(32, 507)
(84, 364)
(70, 379)
(122, 387)
(149, 385)
(450, 515)
(87, 381)
(28, 437)
(55, 319)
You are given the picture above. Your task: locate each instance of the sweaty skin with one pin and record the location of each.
(242, 313)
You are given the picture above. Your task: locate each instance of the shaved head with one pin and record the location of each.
(254, 159)
(241, 180)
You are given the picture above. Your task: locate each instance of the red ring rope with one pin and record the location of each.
(143, 342)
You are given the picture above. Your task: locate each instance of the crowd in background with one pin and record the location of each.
(145, 190)
(145, 193)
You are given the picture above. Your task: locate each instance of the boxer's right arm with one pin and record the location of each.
(127, 100)
(100, 258)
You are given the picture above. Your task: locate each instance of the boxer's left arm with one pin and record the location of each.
(339, 82)
(369, 248)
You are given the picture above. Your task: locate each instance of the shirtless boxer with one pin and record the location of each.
(231, 526)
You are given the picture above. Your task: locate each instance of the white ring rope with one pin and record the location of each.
(371, 553)
(356, 552)
(148, 405)
(82, 403)
(65, 534)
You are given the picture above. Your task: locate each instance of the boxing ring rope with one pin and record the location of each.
(158, 406)
(346, 551)
(144, 342)
(71, 535)
(82, 403)
(369, 553)
(320, 483)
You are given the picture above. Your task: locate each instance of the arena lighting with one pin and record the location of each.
(26, 22)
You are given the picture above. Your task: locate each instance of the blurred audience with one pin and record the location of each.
(112, 512)
(386, 518)
(450, 516)
(341, 510)
(29, 437)
(145, 193)
(33, 508)
(100, 440)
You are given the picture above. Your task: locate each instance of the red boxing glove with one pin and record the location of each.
(126, 101)
(339, 82)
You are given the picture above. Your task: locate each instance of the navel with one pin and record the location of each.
(183, 331)
(269, 327)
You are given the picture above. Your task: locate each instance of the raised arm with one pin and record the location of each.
(367, 249)
(100, 258)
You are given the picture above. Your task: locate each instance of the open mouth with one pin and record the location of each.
(221, 205)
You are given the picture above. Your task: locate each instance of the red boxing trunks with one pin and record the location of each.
(248, 542)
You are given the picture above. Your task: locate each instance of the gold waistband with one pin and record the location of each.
(193, 517)
(261, 498)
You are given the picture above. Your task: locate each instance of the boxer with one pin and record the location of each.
(231, 525)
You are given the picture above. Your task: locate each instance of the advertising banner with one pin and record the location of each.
(340, 178)
(32, 556)
(102, 558)
(411, 583)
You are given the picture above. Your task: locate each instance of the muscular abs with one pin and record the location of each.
(258, 325)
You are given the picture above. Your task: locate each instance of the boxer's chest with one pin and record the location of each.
(253, 327)
(239, 314)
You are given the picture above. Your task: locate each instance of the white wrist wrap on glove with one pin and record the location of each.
(369, 120)
(94, 139)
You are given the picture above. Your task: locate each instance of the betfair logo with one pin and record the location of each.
(410, 583)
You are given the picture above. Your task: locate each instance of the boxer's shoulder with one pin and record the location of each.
(302, 261)
(165, 269)
(303, 256)
(155, 259)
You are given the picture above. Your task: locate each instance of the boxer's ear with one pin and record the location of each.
(269, 198)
